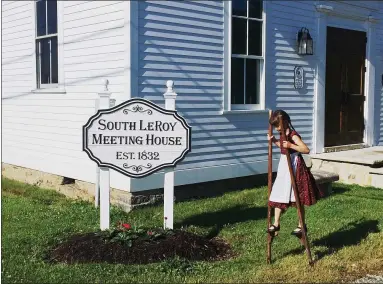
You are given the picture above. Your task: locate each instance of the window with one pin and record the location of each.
(244, 43)
(46, 43)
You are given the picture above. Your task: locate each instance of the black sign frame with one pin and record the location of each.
(125, 104)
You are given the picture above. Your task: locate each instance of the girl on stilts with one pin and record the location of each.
(282, 194)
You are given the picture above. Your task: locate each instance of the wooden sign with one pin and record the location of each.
(136, 138)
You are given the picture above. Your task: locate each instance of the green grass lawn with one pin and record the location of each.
(344, 232)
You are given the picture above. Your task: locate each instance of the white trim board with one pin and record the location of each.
(198, 175)
(34, 57)
(326, 16)
(60, 45)
(369, 85)
(130, 67)
(131, 49)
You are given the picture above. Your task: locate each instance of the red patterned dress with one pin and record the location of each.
(282, 194)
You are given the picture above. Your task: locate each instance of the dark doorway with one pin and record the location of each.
(344, 101)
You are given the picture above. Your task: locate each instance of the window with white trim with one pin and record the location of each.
(46, 43)
(246, 54)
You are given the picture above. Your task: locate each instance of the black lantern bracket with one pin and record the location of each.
(305, 42)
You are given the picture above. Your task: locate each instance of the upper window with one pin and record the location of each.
(246, 56)
(46, 43)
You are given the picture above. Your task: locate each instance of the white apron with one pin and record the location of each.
(282, 191)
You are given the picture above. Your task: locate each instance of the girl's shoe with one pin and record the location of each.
(273, 229)
(298, 231)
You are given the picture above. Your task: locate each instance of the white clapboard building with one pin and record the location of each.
(230, 61)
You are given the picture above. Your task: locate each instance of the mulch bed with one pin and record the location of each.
(91, 248)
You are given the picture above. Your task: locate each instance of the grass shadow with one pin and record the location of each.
(339, 189)
(220, 219)
(200, 191)
(344, 237)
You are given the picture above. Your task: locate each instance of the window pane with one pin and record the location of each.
(253, 78)
(239, 34)
(239, 7)
(255, 38)
(45, 61)
(52, 16)
(237, 80)
(41, 17)
(255, 9)
(54, 59)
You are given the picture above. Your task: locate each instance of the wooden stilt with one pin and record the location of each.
(304, 238)
(270, 236)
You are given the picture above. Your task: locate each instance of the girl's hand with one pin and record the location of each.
(286, 144)
(272, 138)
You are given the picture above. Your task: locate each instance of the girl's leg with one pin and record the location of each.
(298, 231)
(303, 217)
(277, 216)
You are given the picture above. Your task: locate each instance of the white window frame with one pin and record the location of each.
(227, 63)
(53, 87)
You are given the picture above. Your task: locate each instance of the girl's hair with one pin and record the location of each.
(277, 118)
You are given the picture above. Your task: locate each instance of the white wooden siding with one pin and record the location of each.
(177, 40)
(183, 41)
(379, 74)
(285, 19)
(44, 131)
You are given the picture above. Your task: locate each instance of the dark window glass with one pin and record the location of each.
(54, 60)
(239, 7)
(239, 35)
(52, 17)
(255, 9)
(253, 77)
(45, 61)
(237, 80)
(255, 38)
(41, 18)
(246, 39)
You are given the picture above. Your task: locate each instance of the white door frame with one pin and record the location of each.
(324, 15)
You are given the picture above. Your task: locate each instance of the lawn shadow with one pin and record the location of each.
(338, 189)
(199, 191)
(219, 219)
(342, 189)
(342, 238)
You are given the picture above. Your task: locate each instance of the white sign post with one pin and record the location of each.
(97, 183)
(170, 104)
(107, 102)
(137, 138)
(104, 174)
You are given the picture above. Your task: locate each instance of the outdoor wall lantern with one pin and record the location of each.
(305, 42)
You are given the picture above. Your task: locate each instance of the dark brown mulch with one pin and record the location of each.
(91, 248)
